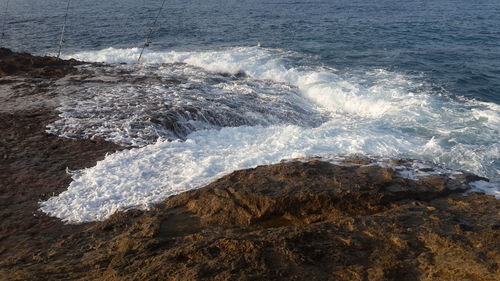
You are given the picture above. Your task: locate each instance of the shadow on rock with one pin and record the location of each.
(293, 221)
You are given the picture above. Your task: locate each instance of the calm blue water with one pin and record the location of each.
(453, 45)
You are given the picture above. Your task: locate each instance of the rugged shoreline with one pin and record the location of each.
(290, 221)
(33, 163)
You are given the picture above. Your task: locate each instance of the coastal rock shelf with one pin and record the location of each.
(24, 64)
(290, 220)
(348, 219)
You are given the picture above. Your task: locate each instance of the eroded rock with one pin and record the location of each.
(294, 221)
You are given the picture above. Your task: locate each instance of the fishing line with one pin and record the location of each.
(30, 19)
(146, 43)
(4, 21)
(62, 31)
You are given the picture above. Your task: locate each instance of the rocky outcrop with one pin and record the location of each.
(297, 220)
(292, 221)
(33, 66)
(33, 163)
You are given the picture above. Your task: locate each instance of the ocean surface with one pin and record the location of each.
(246, 83)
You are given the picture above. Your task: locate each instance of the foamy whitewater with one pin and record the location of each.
(213, 112)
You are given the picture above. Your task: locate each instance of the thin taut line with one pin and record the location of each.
(4, 21)
(62, 31)
(150, 32)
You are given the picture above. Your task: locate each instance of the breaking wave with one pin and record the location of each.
(213, 112)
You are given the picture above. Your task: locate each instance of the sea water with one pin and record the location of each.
(260, 81)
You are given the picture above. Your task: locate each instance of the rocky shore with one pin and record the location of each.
(296, 220)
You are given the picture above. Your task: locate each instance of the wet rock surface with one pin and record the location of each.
(32, 168)
(12, 63)
(33, 164)
(297, 220)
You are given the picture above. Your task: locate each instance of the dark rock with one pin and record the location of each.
(24, 64)
(33, 168)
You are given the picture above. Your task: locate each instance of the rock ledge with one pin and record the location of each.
(297, 220)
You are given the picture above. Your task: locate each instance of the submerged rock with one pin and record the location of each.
(298, 220)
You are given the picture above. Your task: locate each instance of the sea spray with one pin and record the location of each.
(373, 111)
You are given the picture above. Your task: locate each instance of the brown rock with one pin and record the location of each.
(290, 221)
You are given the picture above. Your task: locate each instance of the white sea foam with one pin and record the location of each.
(376, 112)
(140, 177)
(181, 100)
(322, 86)
(485, 187)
